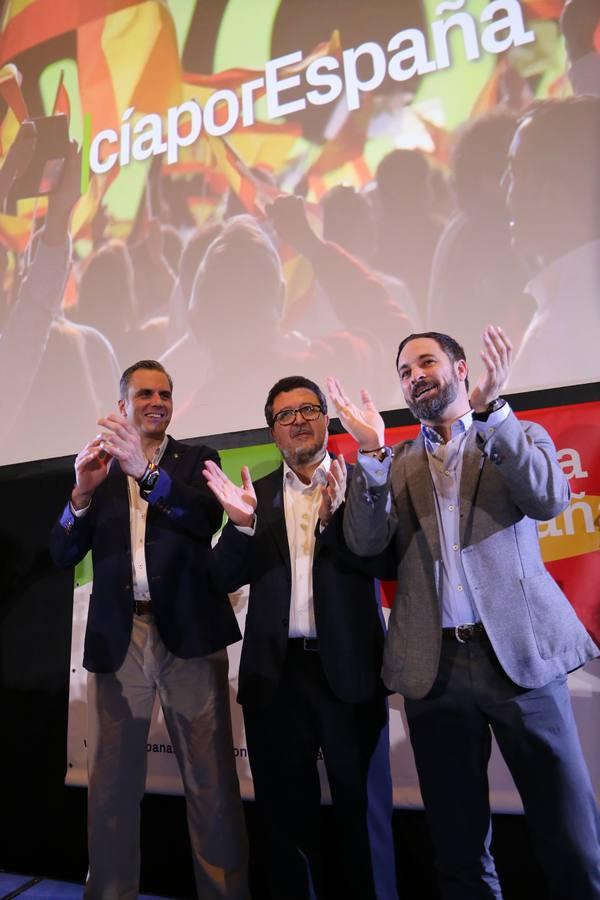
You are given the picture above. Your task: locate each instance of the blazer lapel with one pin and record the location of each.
(116, 486)
(272, 507)
(174, 452)
(420, 488)
(472, 464)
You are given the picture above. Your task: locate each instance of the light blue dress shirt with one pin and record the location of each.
(445, 466)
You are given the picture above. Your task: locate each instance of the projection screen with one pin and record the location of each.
(394, 126)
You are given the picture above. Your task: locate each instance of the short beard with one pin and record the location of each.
(430, 409)
(303, 456)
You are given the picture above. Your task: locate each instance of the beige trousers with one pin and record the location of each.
(194, 695)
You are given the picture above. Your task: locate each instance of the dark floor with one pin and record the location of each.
(29, 886)
(57, 856)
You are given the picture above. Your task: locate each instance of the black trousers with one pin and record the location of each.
(450, 731)
(283, 739)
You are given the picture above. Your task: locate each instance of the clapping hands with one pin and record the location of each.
(239, 502)
(497, 360)
(365, 425)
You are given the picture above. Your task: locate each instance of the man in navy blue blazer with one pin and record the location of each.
(157, 623)
(311, 657)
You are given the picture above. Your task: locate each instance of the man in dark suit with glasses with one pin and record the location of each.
(309, 671)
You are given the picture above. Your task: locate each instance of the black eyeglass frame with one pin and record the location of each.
(315, 408)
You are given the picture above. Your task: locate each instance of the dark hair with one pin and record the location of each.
(151, 364)
(401, 175)
(289, 384)
(560, 142)
(479, 152)
(240, 274)
(193, 254)
(348, 220)
(451, 348)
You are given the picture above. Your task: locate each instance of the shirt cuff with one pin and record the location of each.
(375, 471)
(246, 529)
(79, 513)
(494, 420)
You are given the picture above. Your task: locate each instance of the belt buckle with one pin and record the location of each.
(306, 642)
(464, 628)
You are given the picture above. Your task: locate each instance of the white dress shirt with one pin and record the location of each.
(138, 511)
(301, 505)
(445, 459)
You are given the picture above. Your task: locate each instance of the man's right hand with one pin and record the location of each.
(365, 425)
(91, 468)
(289, 218)
(238, 502)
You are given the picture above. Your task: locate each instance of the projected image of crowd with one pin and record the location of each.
(498, 223)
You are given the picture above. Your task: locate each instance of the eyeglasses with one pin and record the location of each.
(308, 411)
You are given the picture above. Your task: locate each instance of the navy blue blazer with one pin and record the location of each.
(350, 625)
(193, 615)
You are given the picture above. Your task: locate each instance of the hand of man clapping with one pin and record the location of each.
(497, 360)
(122, 441)
(333, 491)
(365, 425)
(91, 468)
(238, 502)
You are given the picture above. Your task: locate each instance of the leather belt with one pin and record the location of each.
(474, 631)
(304, 643)
(142, 607)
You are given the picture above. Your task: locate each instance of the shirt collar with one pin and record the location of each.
(160, 450)
(458, 428)
(319, 475)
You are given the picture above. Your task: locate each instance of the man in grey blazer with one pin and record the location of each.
(480, 637)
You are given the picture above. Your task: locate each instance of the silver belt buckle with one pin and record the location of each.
(307, 641)
(457, 629)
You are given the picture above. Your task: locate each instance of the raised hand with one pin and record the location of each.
(497, 360)
(62, 201)
(365, 425)
(288, 215)
(238, 502)
(334, 490)
(91, 468)
(123, 442)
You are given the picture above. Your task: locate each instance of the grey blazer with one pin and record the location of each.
(508, 482)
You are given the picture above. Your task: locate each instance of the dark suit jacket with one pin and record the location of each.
(348, 616)
(193, 616)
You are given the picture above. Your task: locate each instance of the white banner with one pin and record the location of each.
(163, 773)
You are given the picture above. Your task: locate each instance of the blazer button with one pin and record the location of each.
(285, 622)
(127, 587)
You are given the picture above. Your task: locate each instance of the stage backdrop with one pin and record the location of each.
(571, 549)
(191, 111)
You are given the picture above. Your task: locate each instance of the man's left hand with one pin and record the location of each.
(333, 491)
(123, 442)
(497, 360)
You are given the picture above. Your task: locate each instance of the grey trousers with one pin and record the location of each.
(194, 695)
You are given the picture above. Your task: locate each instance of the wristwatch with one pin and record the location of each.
(378, 453)
(492, 407)
(148, 479)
